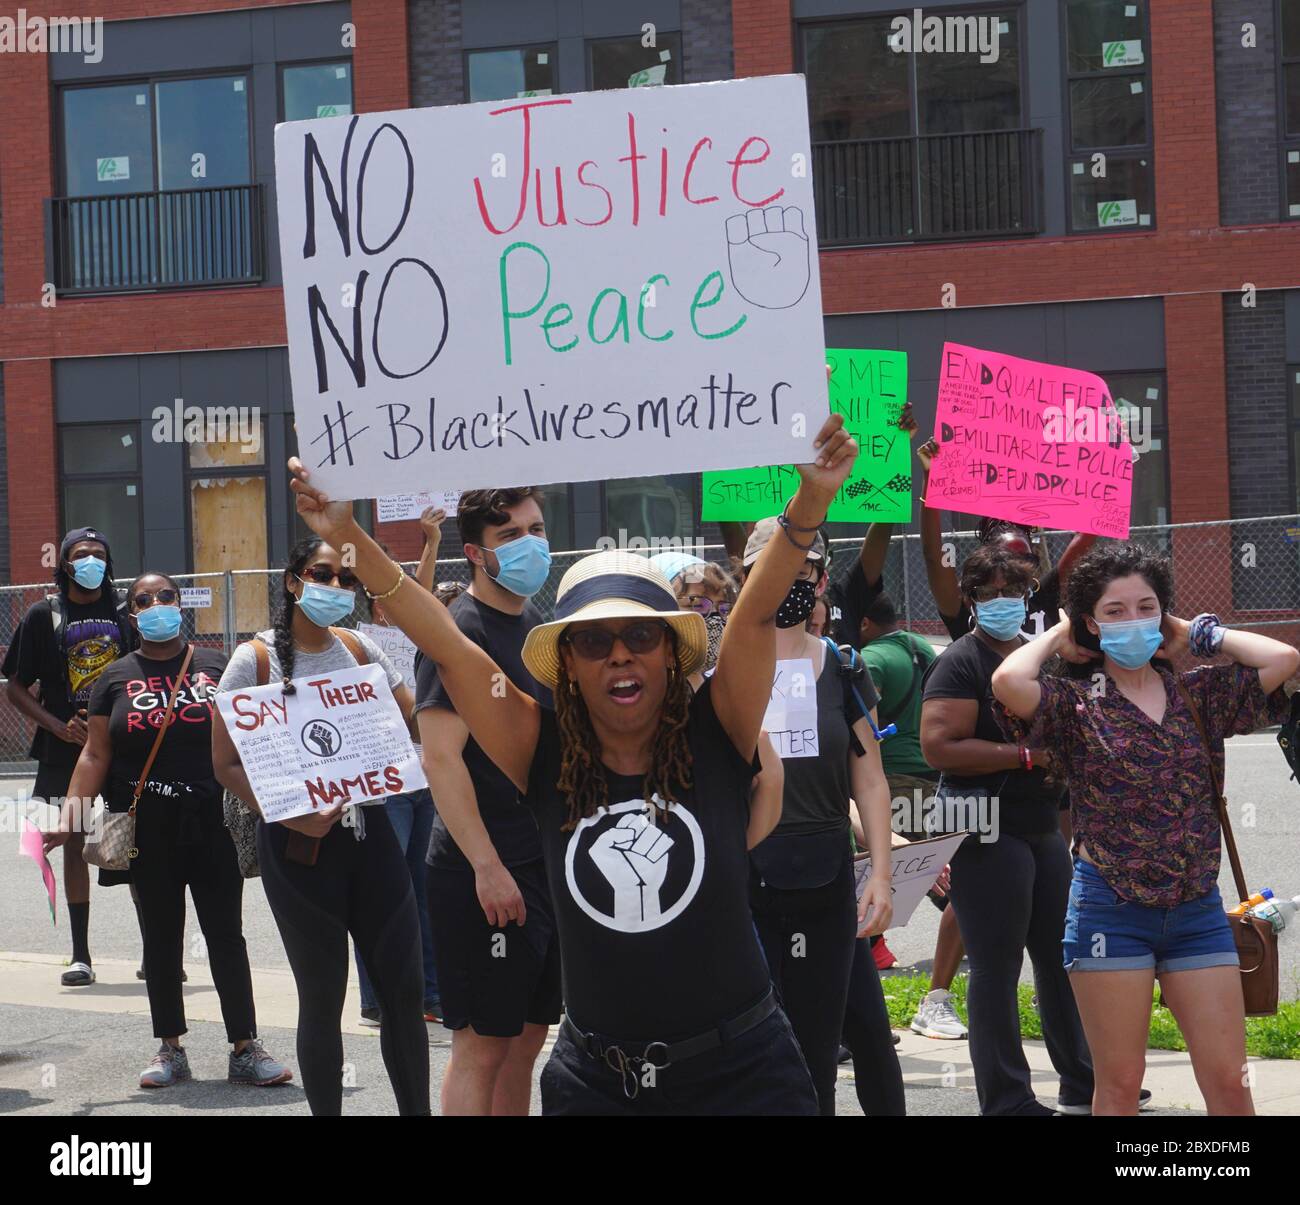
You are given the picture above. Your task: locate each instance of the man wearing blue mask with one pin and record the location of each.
(494, 937)
(65, 642)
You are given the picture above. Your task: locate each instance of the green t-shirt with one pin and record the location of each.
(890, 663)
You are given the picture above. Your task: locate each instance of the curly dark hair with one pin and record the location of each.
(299, 555)
(582, 773)
(1095, 571)
(986, 563)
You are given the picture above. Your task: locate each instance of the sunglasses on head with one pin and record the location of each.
(706, 606)
(595, 644)
(323, 575)
(167, 596)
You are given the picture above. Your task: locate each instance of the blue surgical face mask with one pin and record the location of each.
(88, 571)
(1001, 618)
(159, 622)
(524, 565)
(1132, 642)
(326, 605)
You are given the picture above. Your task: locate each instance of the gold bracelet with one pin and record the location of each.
(401, 577)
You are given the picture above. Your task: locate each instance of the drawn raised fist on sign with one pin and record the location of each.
(323, 738)
(767, 251)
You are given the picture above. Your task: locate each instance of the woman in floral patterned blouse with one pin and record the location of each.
(1144, 901)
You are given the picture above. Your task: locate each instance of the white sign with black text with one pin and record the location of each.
(339, 738)
(791, 716)
(583, 287)
(916, 866)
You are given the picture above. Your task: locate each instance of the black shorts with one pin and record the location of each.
(494, 980)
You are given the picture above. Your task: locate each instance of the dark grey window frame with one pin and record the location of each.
(551, 48)
(1288, 142)
(967, 10)
(62, 90)
(1147, 149)
(136, 478)
(588, 43)
(281, 68)
(1162, 431)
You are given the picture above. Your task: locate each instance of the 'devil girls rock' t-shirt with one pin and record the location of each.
(656, 937)
(133, 693)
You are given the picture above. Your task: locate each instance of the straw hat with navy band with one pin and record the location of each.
(614, 585)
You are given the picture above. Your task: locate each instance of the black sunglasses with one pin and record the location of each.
(323, 575)
(144, 599)
(706, 606)
(595, 644)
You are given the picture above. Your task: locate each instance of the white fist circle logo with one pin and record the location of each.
(632, 855)
(767, 251)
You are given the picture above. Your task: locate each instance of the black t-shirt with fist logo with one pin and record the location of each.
(656, 938)
(133, 693)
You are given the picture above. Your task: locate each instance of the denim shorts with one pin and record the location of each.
(1106, 933)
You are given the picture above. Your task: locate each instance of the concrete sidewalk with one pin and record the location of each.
(31, 980)
(928, 1062)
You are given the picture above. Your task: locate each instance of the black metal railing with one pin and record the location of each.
(938, 186)
(176, 239)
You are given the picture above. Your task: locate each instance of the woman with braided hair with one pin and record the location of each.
(325, 880)
(641, 795)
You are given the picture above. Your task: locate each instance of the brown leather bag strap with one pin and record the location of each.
(263, 656)
(352, 642)
(1229, 840)
(162, 731)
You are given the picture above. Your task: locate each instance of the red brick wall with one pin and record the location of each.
(33, 467)
(763, 31)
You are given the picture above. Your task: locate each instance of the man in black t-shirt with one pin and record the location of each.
(65, 642)
(499, 982)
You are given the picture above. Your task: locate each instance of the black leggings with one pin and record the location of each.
(1011, 895)
(808, 939)
(876, 1073)
(206, 863)
(363, 888)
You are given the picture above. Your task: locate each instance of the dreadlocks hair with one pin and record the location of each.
(582, 773)
(299, 555)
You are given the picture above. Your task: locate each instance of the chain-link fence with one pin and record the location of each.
(1245, 570)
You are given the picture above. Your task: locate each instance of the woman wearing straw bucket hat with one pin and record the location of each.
(641, 794)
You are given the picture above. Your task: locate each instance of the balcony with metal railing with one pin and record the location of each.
(174, 239)
(933, 187)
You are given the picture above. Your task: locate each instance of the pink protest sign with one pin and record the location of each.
(31, 846)
(1034, 443)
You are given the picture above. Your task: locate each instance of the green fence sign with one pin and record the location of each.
(869, 388)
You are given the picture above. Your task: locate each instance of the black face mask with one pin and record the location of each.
(714, 624)
(798, 605)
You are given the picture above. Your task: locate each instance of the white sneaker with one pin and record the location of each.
(936, 1017)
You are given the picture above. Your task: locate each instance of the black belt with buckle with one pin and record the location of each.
(621, 1057)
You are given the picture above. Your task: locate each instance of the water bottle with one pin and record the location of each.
(1256, 899)
(1278, 913)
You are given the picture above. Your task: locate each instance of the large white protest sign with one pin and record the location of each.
(916, 866)
(791, 716)
(396, 507)
(339, 738)
(397, 645)
(567, 288)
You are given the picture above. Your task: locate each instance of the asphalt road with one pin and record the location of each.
(94, 1056)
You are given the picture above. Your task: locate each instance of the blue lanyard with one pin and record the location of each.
(849, 671)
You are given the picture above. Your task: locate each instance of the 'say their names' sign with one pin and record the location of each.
(559, 288)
